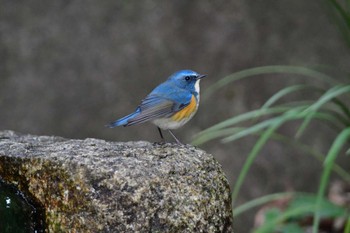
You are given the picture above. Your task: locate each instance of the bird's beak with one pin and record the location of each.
(201, 76)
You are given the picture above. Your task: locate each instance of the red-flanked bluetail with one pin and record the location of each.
(170, 105)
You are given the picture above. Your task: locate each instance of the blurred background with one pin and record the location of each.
(69, 67)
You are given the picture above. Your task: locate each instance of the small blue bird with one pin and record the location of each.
(169, 106)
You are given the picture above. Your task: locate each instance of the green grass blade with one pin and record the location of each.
(310, 150)
(288, 116)
(203, 138)
(342, 106)
(285, 91)
(341, 139)
(250, 130)
(297, 70)
(341, 17)
(223, 130)
(339, 119)
(260, 201)
(342, 12)
(291, 114)
(269, 227)
(205, 135)
(290, 142)
(298, 208)
(241, 118)
(329, 95)
(347, 227)
(251, 157)
(337, 145)
(253, 115)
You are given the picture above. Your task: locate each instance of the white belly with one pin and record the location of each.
(169, 123)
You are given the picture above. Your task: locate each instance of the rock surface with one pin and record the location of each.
(93, 185)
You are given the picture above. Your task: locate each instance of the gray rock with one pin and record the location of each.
(93, 185)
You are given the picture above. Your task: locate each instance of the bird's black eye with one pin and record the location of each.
(187, 78)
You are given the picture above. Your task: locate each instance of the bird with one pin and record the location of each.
(169, 106)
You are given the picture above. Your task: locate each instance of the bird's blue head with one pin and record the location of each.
(187, 79)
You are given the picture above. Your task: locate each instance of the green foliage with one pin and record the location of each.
(340, 10)
(300, 207)
(329, 108)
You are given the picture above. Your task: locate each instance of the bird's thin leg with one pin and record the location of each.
(161, 135)
(177, 140)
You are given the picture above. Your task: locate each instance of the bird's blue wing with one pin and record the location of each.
(161, 104)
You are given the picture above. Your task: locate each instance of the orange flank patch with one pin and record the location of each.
(186, 111)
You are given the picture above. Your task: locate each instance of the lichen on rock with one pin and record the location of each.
(93, 185)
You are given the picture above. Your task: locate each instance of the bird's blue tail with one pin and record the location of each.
(123, 121)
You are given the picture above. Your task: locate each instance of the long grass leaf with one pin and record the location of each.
(285, 91)
(288, 116)
(341, 139)
(347, 227)
(260, 201)
(253, 115)
(329, 95)
(339, 118)
(341, 12)
(341, 17)
(309, 150)
(342, 106)
(312, 151)
(244, 117)
(251, 157)
(337, 145)
(297, 70)
(250, 130)
(332, 93)
(234, 133)
(203, 138)
(270, 226)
